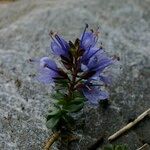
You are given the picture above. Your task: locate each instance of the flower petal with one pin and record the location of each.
(89, 40)
(106, 80)
(56, 48)
(99, 62)
(94, 95)
(90, 53)
(59, 46)
(47, 70)
(46, 62)
(84, 67)
(46, 75)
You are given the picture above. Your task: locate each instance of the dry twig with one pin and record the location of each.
(129, 126)
(52, 139)
(144, 147)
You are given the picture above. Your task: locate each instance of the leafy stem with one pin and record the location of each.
(73, 81)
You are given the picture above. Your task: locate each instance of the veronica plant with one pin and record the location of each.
(80, 78)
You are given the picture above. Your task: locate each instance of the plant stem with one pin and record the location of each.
(73, 81)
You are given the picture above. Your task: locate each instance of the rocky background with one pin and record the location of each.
(24, 28)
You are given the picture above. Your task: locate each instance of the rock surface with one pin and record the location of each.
(24, 28)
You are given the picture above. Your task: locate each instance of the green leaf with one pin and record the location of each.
(78, 100)
(58, 95)
(78, 96)
(52, 122)
(58, 98)
(108, 147)
(53, 113)
(115, 147)
(61, 102)
(74, 108)
(120, 147)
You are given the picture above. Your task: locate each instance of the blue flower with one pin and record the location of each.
(96, 65)
(93, 63)
(104, 80)
(88, 42)
(99, 63)
(59, 46)
(94, 94)
(48, 70)
(84, 64)
(88, 39)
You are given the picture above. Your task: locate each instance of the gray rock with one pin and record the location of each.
(24, 28)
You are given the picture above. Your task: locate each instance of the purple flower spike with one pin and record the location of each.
(83, 63)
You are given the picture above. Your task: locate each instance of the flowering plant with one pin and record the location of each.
(79, 79)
